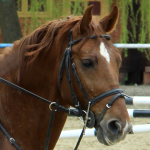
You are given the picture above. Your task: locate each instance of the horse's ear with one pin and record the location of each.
(108, 23)
(86, 20)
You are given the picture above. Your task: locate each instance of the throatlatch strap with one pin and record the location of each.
(11, 140)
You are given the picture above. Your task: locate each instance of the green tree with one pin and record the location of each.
(9, 23)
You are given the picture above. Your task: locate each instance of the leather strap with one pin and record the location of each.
(107, 37)
(23, 90)
(104, 95)
(79, 140)
(58, 107)
(11, 140)
(49, 130)
(109, 105)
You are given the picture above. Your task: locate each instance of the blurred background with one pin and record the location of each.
(19, 18)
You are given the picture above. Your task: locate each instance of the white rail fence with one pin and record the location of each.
(118, 45)
(144, 128)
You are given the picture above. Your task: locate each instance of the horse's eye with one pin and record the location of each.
(88, 63)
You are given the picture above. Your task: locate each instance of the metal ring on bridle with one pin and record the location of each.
(50, 106)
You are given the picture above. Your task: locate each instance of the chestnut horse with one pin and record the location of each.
(33, 63)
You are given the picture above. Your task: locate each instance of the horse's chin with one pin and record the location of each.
(102, 137)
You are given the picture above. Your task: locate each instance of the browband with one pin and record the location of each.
(107, 37)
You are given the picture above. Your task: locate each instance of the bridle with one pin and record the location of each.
(67, 59)
(88, 116)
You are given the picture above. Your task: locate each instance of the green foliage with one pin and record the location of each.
(18, 3)
(144, 36)
(77, 7)
(41, 11)
(135, 13)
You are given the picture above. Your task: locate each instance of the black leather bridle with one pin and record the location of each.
(88, 116)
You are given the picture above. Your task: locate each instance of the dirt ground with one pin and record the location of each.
(132, 142)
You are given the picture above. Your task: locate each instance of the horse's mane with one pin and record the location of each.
(41, 39)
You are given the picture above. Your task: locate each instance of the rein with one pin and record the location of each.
(88, 116)
(58, 107)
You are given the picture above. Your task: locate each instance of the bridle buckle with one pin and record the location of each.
(108, 106)
(77, 105)
(11, 140)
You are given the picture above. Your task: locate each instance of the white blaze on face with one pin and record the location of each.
(104, 52)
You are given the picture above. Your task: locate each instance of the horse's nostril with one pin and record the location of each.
(114, 127)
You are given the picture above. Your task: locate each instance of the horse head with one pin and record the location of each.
(97, 63)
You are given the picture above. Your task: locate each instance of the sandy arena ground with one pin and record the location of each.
(132, 142)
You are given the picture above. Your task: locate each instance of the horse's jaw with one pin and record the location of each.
(106, 137)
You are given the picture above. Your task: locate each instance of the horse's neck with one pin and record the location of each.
(21, 113)
(35, 79)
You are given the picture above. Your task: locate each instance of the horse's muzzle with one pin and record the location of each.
(112, 131)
